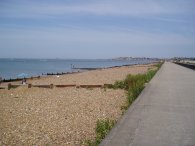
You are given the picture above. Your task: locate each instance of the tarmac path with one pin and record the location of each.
(163, 114)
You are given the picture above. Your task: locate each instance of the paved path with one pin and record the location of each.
(163, 115)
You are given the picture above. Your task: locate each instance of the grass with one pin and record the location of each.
(102, 129)
(133, 84)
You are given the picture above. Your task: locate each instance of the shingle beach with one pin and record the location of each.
(61, 116)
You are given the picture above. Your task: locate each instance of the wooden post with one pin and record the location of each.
(108, 85)
(9, 86)
(0, 80)
(51, 86)
(29, 85)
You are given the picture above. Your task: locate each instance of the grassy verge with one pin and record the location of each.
(133, 84)
(102, 129)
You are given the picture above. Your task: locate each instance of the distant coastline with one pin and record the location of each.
(35, 68)
(135, 58)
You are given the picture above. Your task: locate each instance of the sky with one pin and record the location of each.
(97, 29)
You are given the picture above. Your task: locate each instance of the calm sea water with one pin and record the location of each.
(11, 68)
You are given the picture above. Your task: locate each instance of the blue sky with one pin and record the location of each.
(96, 28)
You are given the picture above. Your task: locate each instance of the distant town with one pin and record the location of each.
(148, 58)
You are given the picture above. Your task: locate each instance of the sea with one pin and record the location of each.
(13, 68)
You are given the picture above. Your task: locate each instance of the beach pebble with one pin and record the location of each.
(61, 116)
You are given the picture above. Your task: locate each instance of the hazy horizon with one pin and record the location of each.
(102, 29)
(98, 58)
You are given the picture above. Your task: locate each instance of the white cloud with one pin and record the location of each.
(100, 7)
(41, 34)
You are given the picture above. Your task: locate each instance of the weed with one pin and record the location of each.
(133, 84)
(119, 85)
(158, 65)
(102, 129)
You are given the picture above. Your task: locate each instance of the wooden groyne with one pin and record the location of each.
(51, 86)
(91, 86)
(38, 77)
(9, 86)
(41, 86)
(19, 79)
(63, 86)
(85, 68)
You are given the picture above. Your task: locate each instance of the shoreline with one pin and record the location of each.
(85, 77)
(79, 70)
(62, 116)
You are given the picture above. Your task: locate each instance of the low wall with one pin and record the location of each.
(186, 65)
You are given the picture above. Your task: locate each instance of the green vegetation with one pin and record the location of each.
(133, 84)
(102, 128)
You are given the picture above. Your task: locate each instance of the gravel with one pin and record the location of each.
(61, 116)
(102, 76)
(55, 116)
